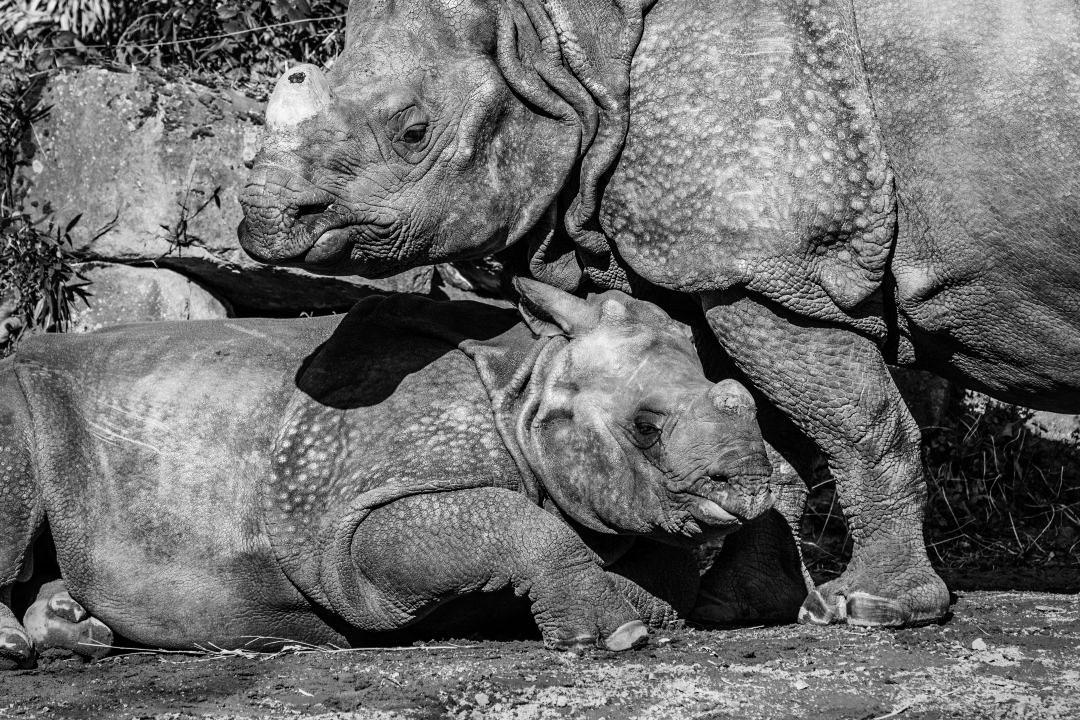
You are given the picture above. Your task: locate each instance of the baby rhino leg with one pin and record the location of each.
(16, 646)
(56, 620)
(421, 551)
(21, 515)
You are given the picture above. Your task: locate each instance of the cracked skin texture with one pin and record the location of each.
(838, 184)
(325, 479)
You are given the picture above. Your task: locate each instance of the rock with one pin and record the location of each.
(1055, 426)
(154, 167)
(978, 644)
(120, 293)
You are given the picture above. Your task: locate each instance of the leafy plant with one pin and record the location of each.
(85, 18)
(38, 284)
(234, 37)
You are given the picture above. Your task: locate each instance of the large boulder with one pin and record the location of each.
(122, 294)
(153, 167)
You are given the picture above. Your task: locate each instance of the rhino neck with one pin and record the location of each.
(513, 368)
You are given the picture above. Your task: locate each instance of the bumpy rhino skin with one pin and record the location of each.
(245, 483)
(837, 184)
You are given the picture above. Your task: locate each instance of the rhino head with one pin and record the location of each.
(622, 428)
(445, 130)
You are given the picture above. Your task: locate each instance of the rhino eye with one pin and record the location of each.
(647, 429)
(414, 134)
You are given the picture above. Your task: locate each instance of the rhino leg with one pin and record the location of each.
(16, 646)
(56, 620)
(421, 551)
(21, 515)
(834, 385)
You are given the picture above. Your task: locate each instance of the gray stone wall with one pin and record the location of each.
(153, 168)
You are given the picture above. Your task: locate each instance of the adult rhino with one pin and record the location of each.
(236, 482)
(839, 184)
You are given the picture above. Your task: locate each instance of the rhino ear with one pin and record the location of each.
(550, 311)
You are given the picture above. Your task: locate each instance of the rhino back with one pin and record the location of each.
(752, 159)
(152, 445)
(979, 102)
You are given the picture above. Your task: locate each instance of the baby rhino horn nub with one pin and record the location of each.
(730, 396)
(548, 310)
(300, 93)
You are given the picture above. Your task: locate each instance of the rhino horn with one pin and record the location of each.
(731, 396)
(547, 310)
(300, 93)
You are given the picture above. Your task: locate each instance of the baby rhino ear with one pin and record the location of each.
(550, 311)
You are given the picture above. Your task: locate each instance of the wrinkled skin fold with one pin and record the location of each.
(321, 480)
(837, 183)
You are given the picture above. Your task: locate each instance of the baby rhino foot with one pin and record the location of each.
(16, 647)
(55, 620)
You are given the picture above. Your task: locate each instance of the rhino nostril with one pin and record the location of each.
(312, 209)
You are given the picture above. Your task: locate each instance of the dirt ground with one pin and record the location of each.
(1002, 655)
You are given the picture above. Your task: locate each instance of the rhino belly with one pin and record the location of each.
(976, 102)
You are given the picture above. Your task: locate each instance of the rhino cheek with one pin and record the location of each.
(587, 474)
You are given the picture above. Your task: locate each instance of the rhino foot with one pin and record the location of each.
(56, 620)
(920, 598)
(16, 647)
(628, 636)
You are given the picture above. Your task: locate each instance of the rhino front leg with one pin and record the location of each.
(421, 551)
(836, 387)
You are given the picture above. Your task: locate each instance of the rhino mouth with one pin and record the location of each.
(724, 501)
(326, 243)
(331, 246)
(709, 512)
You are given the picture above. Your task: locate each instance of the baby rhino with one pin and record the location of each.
(247, 482)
